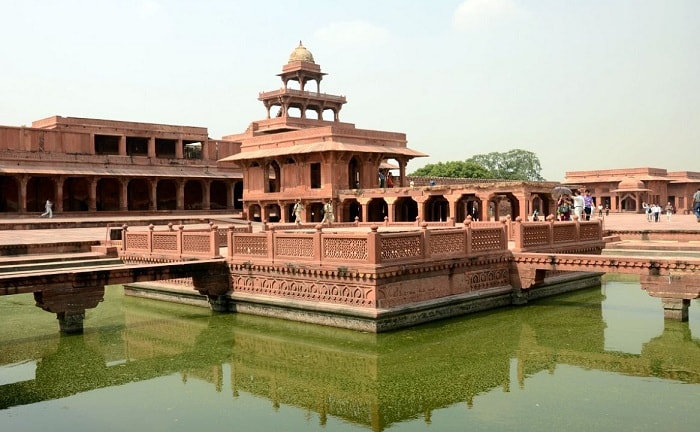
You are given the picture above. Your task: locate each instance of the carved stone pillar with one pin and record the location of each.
(58, 201)
(92, 197)
(23, 180)
(206, 198)
(124, 196)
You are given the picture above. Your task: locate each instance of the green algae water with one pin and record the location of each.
(601, 359)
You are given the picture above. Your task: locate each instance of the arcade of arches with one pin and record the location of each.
(27, 193)
(430, 204)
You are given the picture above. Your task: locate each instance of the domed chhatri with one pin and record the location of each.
(300, 53)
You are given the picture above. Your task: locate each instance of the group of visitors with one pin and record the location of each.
(653, 211)
(580, 205)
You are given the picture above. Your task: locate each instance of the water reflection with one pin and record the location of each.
(219, 368)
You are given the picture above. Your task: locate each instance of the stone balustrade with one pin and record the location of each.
(551, 237)
(320, 245)
(173, 243)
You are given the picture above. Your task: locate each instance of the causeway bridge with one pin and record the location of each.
(371, 277)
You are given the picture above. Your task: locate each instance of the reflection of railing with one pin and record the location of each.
(550, 235)
(360, 247)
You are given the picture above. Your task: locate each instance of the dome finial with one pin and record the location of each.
(300, 53)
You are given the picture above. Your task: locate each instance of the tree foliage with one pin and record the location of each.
(515, 164)
(453, 169)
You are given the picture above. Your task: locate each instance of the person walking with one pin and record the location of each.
(579, 203)
(696, 204)
(47, 209)
(298, 208)
(587, 204)
(328, 215)
(669, 211)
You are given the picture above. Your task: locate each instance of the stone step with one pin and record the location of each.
(65, 263)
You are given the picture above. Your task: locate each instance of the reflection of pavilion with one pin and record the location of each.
(298, 154)
(371, 380)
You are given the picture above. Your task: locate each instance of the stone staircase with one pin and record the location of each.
(59, 262)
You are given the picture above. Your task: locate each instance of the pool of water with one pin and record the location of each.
(601, 359)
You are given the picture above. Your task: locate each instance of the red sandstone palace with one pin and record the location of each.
(301, 151)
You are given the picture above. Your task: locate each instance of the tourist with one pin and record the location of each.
(578, 205)
(535, 215)
(600, 211)
(655, 212)
(389, 180)
(669, 211)
(564, 208)
(647, 210)
(298, 208)
(47, 209)
(696, 204)
(587, 204)
(328, 215)
(607, 209)
(381, 180)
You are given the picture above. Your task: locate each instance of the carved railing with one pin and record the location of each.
(554, 236)
(357, 248)
(172, 243)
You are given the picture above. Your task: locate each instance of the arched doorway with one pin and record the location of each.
(314, 212)
(273, 213)
(254, 213)
(39, 189)
(238, 195)
(138, 197)
(193, 195)
(273, 177)
(9, 194)
(354, 173)
(218, 193)
(107, 194)
(76, 194)
(405, 209)
(351, 209)
(166, 195)
(377, 210)
(437, 209)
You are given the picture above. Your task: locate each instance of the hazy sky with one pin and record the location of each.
(585, 84)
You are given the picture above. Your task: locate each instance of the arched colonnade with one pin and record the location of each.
(376, 206)
(28, 193)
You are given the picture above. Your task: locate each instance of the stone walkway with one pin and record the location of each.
(615, 221)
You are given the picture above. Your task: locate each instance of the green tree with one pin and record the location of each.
(515, 164)
(453, 169)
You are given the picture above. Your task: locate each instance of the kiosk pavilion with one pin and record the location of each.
(302, 152)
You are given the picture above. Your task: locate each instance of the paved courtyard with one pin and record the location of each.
(615, 221)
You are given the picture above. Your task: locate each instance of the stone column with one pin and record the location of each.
(153, 195)
(391, 208)
(124, 196)
(206, 198)
(92, 197)
(179, 150)
(122, 145)
(180, 205)
(58, 201)
(152, 147)
(23, 180)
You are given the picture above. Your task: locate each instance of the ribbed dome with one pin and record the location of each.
(630, 183)
(300, 53)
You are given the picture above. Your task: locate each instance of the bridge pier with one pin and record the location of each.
(676, 309)
(69, 305)
(71, 322)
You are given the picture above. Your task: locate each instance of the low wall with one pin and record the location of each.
(656, 235)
